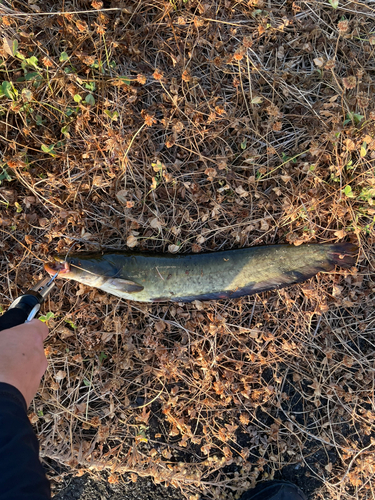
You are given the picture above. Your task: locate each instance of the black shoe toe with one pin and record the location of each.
(274, 490)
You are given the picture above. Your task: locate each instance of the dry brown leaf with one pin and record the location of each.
(199, 305)
(241, 191)
(173, 248)
(65, 332)
(319, 61)
(340, 234)
(285, 178)
(328, 467)
(317, 388)
(160, 326)
(132, 241)
(33, 417)
(122, 196)
(60, 375)
(156, 223)
(106, 336)
(211, 173)
(10, 46)
(336, 290)
(29, 240)
(29, 200)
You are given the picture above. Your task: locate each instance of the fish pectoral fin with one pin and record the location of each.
(125, 285)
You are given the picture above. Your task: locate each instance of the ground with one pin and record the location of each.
(186, 126)
(96, 486)
(90, 488)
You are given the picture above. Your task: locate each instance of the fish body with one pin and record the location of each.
(145, 277)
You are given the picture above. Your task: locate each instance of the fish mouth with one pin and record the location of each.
(61, 267)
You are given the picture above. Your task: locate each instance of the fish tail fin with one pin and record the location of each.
(342, 254)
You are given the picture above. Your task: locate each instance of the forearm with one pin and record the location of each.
(21, 473)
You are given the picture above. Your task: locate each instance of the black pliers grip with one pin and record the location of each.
(25, 307)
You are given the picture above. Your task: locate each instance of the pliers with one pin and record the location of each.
(24, 308)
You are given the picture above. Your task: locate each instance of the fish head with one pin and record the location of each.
(86, 271)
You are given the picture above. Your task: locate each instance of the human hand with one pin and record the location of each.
(22, 358)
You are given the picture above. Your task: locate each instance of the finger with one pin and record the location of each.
(41, 327)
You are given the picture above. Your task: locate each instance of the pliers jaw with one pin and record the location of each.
(44, 286)
(34, 297)
(26, 307)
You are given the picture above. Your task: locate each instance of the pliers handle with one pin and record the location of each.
(25, 307)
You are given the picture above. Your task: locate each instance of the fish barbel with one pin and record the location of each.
(146, 277)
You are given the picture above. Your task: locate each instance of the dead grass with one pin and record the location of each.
(208, 125)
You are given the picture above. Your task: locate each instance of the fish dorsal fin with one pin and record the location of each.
(125, 285)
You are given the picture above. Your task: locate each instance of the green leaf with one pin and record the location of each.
(96, 64)
(90, 99)
(47, 149)
(26, 108)
(7, 90)
(47, 317)
(39, 120)
(86, 382)
(31, 76)
(18, 207)
(334, 3)
(357, 118)
(125, 79)
(77, 98)
(63, 57)
(20, 56)
(15, 47)
(113, 115)
(367, 194)
(102, 357)
(4, 176)
(90, 86)
(70, 323)
(141, 436)
(65, 129)
(348, 192)
(363, 151)
(243, 144)
(32, 61)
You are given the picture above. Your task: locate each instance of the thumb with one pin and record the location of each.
(40, 327)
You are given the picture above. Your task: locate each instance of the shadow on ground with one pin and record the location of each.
(89, 488)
